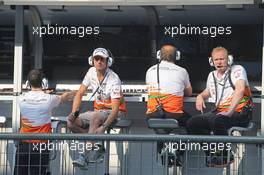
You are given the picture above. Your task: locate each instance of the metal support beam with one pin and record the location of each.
(18, 56)
(36, 41)
(153, 20)
(262, 102)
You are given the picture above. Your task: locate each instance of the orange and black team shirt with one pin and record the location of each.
(173, 80)
(237, 72)
(36, 108)
(109, 89)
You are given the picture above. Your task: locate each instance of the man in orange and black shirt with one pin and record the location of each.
(167, 84)
(228, 87)
(173, 85)
(36, 107)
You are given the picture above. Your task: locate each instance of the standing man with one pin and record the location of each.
(167, 84)
(36, 107)
(228, 86)
(109, 103)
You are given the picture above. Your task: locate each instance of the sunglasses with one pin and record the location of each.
(99, 58)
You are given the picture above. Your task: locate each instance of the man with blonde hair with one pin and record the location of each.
(228, 87)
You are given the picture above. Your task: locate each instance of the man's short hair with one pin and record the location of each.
(35, 77)
(219, 48)
(168, 53)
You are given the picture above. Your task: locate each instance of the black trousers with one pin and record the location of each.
(29, 160)
(203, 124)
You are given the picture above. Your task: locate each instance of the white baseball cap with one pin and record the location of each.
(101, 52)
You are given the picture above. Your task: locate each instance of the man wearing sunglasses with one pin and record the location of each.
(109, 104)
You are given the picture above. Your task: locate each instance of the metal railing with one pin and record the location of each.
(141, 155)
(134, 137)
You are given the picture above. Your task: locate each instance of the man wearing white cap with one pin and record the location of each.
(109, 103)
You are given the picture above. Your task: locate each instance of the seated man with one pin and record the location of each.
(108, 105)
(167, 83)
(36, 107)
(228, 86)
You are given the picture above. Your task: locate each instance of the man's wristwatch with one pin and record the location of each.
(76, 114)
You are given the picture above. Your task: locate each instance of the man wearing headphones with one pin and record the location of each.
(109, 103)
(167, 84)
(228, 86)
(36, 107)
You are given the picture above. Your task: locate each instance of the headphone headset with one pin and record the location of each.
(44, 81)
(110, 59)
(178, 55)
(230, 60)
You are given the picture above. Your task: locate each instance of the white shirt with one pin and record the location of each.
(109, 89)
(237, 73)
(173, 81)
(36, 107)
(173, 78)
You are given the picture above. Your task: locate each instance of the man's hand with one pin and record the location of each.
(200, 105)
(72, 116)
(66, 96)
